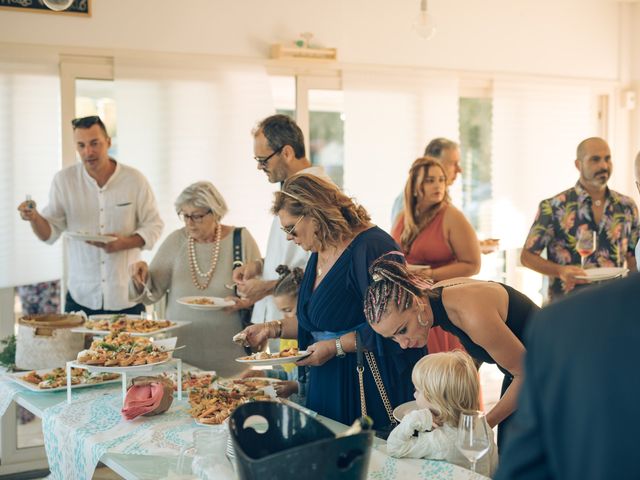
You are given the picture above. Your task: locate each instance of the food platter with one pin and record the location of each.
(133, 325)
(213, 406)
(122, 353)
(205, 303)
(88, 380)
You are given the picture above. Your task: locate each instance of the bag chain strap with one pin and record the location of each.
(378, 379)
(363, 404)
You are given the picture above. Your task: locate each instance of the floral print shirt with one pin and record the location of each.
(560, 218)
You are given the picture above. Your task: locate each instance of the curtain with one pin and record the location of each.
(536, 129)
(389, 119)
(181, 123)
(30, 155)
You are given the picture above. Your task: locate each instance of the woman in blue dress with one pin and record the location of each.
(318, 217)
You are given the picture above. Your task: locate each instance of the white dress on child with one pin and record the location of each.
(435, 443)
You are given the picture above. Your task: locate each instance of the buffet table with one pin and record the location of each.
(91, 429)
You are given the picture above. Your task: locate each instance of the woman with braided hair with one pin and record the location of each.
(320, 218)
(489, 318)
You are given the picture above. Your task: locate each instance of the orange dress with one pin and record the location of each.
(431, 248)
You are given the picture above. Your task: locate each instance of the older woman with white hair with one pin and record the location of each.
(197, 260)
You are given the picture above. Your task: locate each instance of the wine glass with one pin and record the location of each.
(585, 244)
(473, 437)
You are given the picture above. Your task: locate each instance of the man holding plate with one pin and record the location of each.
(110, 213)
(587, 220)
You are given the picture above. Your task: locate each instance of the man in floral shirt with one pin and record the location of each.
(589, 205)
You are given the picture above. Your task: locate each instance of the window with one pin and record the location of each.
(326, 132)
(317, 105)
(475, 149)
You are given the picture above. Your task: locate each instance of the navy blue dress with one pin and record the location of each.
(336, 307)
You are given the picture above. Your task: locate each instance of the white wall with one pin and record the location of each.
(634, 126)
(574, 38)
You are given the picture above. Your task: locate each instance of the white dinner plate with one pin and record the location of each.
(115, 369)
(401, 410)
(17, 377)
(604, 273)
(218, 303)
(95, 331)
(275, 361)
(88, 237)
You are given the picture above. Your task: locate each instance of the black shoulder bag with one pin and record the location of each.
(238, 261)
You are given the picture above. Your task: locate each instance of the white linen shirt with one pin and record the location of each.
(125, 205)
(280, 251)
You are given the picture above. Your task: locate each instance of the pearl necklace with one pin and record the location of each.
(193, 261)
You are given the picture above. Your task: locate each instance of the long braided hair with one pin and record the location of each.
(393, 284)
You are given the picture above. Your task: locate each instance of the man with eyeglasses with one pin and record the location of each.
(98, 196)
(279, 149)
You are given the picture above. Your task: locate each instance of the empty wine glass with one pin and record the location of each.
(585, 244)
(473, 437)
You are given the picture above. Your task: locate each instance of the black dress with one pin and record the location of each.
(519, 311)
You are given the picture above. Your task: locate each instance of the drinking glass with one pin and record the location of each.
(585, 244)
(473, 439)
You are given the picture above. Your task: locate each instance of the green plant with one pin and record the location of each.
(8, 353)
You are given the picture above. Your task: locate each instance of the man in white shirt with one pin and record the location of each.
(278, 145)
(103, 197)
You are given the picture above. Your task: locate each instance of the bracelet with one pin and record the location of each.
(278, 332)
(339, 350)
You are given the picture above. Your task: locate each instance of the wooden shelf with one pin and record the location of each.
(282, 52)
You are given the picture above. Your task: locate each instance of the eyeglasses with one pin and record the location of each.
(262, 162)
(86, 122)
(195, 218)
(292, 229)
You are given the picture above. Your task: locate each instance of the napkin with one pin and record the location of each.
(147, 396)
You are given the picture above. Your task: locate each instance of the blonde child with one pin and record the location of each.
(446, 386)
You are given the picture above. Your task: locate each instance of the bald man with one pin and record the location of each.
(589, 205)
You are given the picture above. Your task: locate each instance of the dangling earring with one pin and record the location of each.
(420, 310)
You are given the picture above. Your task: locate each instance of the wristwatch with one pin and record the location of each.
(339, 351)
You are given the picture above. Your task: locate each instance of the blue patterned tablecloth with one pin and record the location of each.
(77, 435)
(8, 391)
(384, 467)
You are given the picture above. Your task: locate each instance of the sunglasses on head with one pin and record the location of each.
(87, 122)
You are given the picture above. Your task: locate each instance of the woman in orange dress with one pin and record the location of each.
(435, 236)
